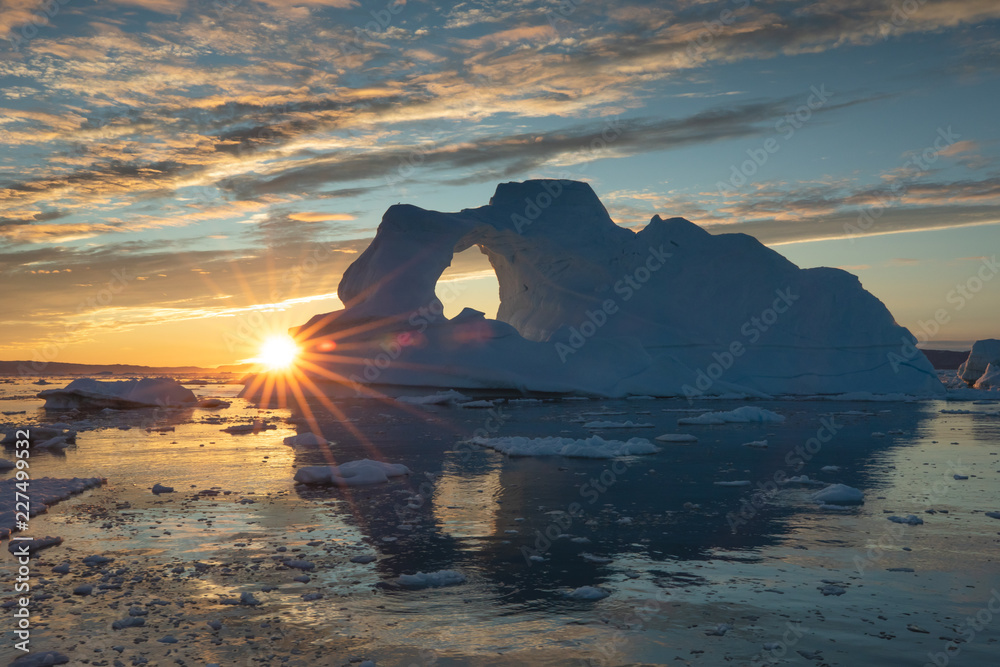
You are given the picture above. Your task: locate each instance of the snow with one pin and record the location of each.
(745, 414)
(839, 494)
(431, 579)
(571, 319)
(353, 473)
(676, 437)
(45, 491)
(305, 439)
(983, 354)
(610, 424)
(594, 447)
(121, 394)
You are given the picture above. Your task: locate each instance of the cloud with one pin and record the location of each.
(17, 13)
(307, 216)
(491, 157)
(161, 6)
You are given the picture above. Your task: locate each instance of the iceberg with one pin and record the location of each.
(591, 308)
(984, 353)
(989, 379)
(89, 393)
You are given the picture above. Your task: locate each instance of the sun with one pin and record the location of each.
(278, 352)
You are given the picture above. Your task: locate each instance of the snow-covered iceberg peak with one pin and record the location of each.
(588, 306)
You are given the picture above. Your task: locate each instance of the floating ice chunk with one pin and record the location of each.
(299, 564)
(353, 473)
(676, 437)
(719, 630)
(801, 479)
(909, 519)
(476, 404)
(610, 424)
(594, 447)
(830, 469)
(831, 589)
(442, 397)
(591, 558)
(757, 444)
(246, 599)
(739, 482)
(45, 491)
(588, 593)
(120, 394)
(40, 659)
(431, 579)
(745, 414)
(254, 427)
(58, 443)
(839, 494)
(304, 439)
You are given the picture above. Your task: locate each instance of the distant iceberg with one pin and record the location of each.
(122, 394)
(982, 369)
(589, 307)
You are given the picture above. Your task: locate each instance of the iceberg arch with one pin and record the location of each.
(590, 307)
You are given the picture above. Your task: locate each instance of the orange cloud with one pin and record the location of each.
(307, 216)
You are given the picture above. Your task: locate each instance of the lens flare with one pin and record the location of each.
(278, 352)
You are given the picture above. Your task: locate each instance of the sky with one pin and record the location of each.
(178, 178)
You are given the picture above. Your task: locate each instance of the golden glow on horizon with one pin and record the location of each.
(278, 352)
